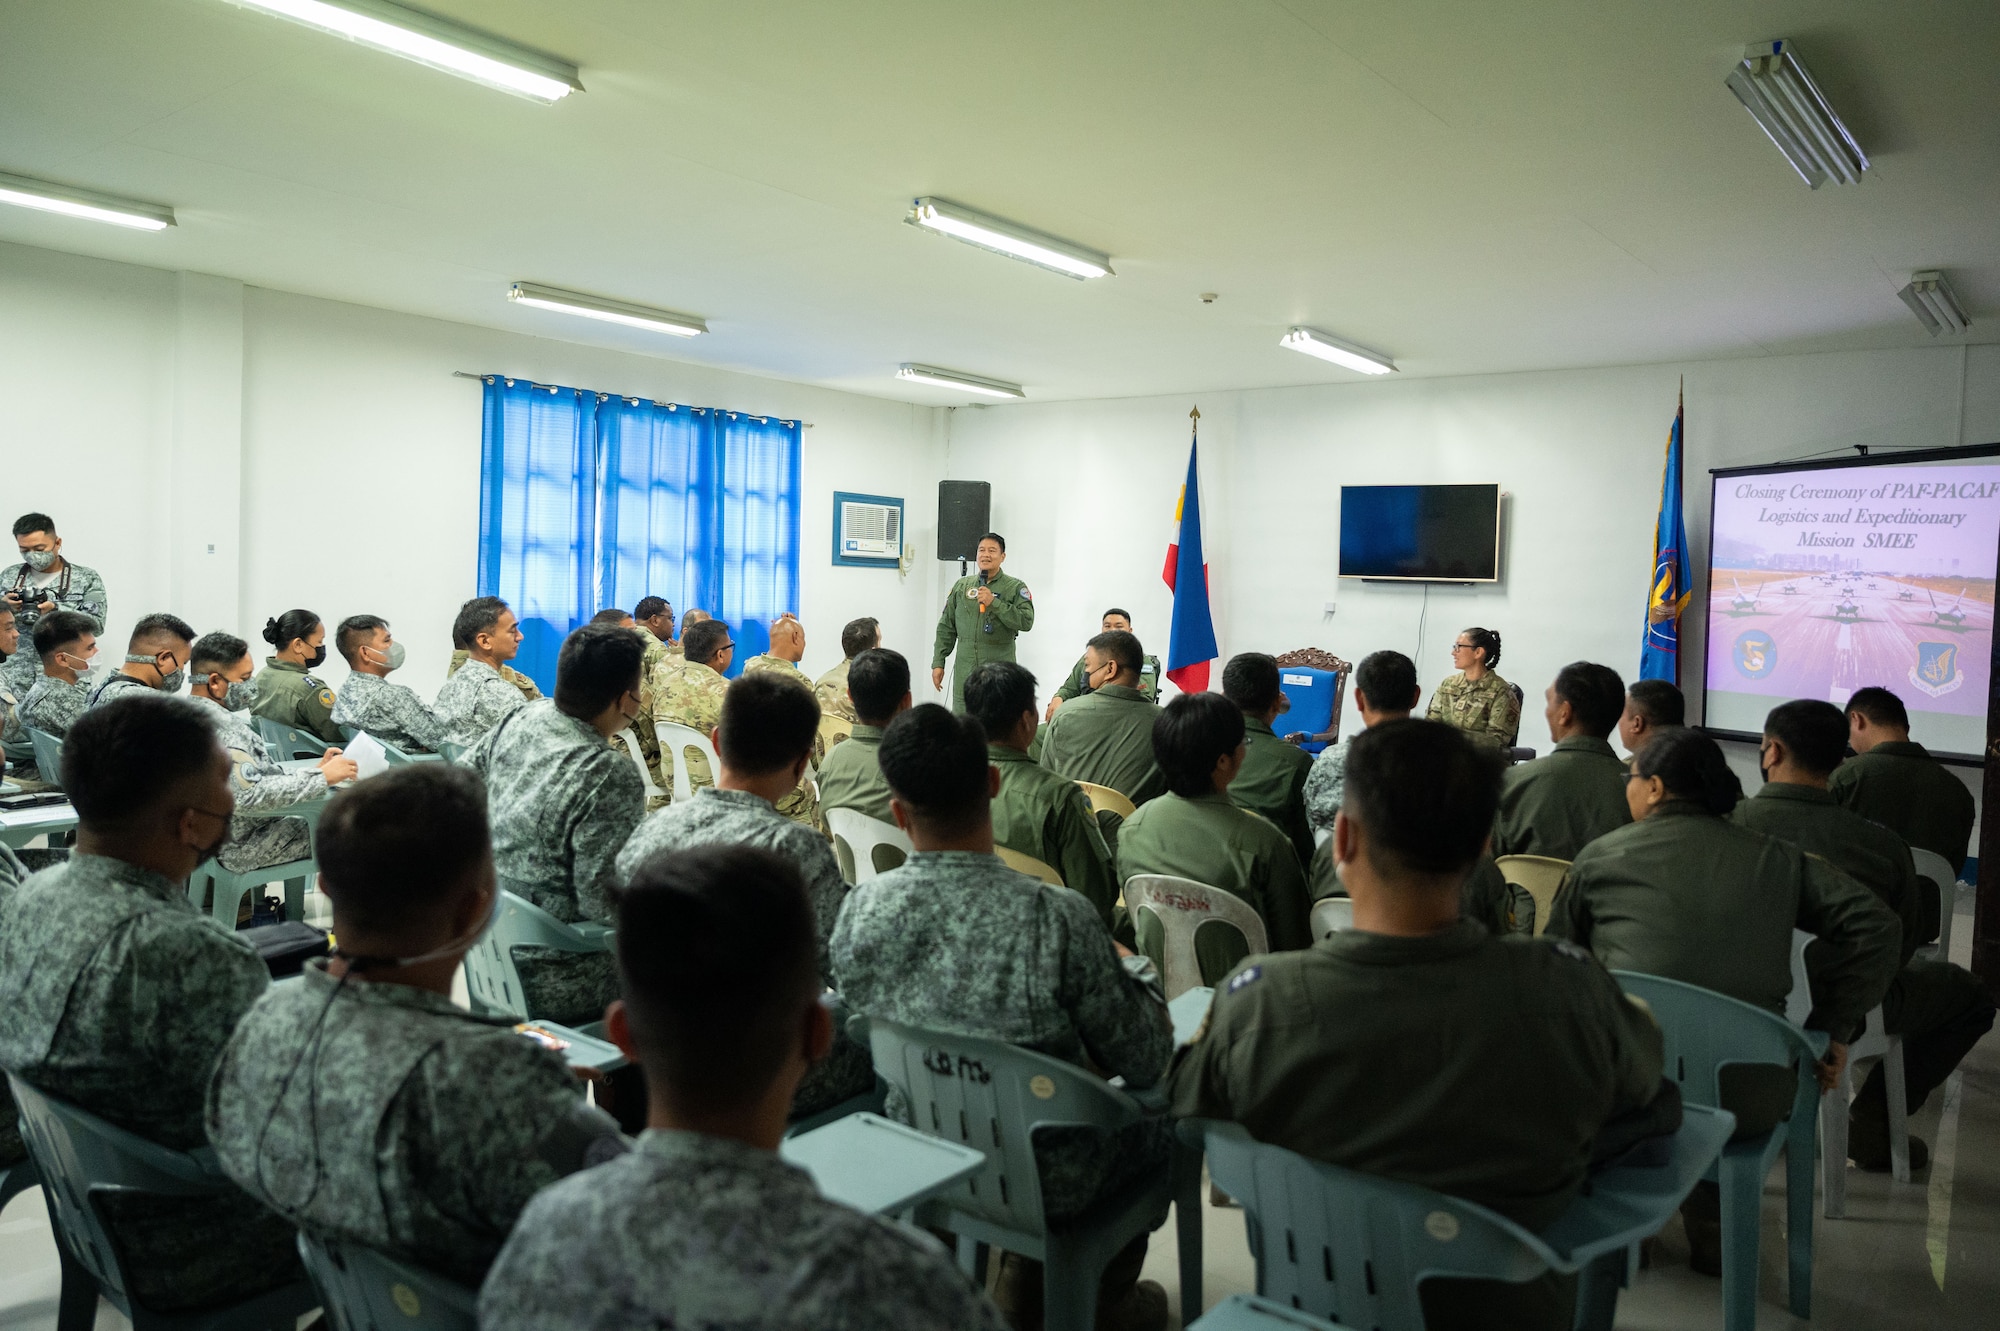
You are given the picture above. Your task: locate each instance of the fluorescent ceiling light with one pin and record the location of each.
(430, 40)
(46, 196)
(971, 383)
(1341, 352)
(1934, 303)
(1009, 238)
(1774, 87)
(610, 311)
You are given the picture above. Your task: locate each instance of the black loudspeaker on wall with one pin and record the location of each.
(965, 513)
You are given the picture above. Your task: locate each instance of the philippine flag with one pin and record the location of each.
(1192, 644)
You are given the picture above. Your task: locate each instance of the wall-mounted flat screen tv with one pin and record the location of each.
(1420, 533)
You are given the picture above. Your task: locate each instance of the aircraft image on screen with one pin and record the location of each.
(1951, 614)
(1846, 609)
(1743, 600)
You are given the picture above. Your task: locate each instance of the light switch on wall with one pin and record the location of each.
(1329, 604)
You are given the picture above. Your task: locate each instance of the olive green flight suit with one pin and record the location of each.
(980, 637)
(1560, 803)
(1044, 815)
(1149, 680)
(851, 777)
(291, 697)
(1106, 738)
(1899, 785)
(1273, 783)
(1485, 895)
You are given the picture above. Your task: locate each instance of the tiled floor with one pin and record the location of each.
(1924, 1254)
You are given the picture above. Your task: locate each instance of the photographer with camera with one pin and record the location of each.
(41, 584)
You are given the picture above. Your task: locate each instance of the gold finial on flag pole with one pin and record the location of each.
(1195, 414)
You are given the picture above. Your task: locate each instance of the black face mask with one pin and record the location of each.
(318, 658)
(222, 838)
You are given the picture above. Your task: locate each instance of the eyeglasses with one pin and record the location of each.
(1462, 647)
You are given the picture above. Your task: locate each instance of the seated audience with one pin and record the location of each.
(764, 741)
(689, 692)
(1476, 700)
(643, 728)
(1650, 705)
(120, 994)
(14, 741)
(1194, 831)
(1078, 683)
(955, 940)
(788, 648)
(1106, 736)
(287, 692)
(655, 614)
(878, 690)
(258, 836)
(1035, 811)
(1273, 780)
(1940, 1010)
(702, 1225)
(368, 702)
(474, 697)
(1385, 689)
(1895, 781)
(66, 644)
(1561, 802)
(1684, 893)
(156, 660)
(362, 1103)
(1529, 1049)
(562, 802)
(860, 635)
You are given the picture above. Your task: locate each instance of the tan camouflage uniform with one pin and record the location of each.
(1485, 709)
(802, 805)
(690, 695)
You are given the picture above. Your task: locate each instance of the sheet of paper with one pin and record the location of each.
(368, 755)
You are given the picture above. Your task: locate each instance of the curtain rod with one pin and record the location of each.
(603, 396)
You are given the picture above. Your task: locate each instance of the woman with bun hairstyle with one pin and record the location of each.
(1684, 893)
(1476, 700)
(287, 691)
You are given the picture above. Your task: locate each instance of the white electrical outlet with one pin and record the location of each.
(1329, 607)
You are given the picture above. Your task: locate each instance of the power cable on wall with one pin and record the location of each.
(1423, 619)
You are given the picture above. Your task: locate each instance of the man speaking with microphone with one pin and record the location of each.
(982, 614)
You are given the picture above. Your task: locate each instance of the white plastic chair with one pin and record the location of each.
(1875, 1042)
(866, 847)
(1539, 876)
(1331, 915)
(1029, 865)
(676, 739)
(1935, 869)
(1182, 906)
(631, 744)
(1103, 799)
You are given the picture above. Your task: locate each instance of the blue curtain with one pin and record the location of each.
(622, 498)
(538, 513)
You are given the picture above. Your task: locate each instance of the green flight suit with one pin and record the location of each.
(1106, 738)
(1558, 804)
(1902, 787)
(1044, 815)
(1273, 783)
(1483, 1068)
(1485, 895)
(980, 637)
(851, 777)
(1211, 841)
(1693, 897)
(1149, 681)
(291, 697)
(1939, 1009)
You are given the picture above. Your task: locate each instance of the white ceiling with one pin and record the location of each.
(1470, 187)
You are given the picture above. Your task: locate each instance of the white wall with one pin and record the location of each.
(156, 398)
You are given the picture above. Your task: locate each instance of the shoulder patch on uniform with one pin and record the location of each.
(1249, 975)
(1568, 949)
(325, 697)
(1024, 593)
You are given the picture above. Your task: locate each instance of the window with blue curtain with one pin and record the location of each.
(695, 504)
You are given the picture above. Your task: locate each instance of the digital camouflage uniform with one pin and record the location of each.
(529, 690)
(12, 1149)
(1486, 709)
(689, 694)
(1939, 1009)
(801, 806)
(1899, 785)
(1211, 841)
(715, 817)
(1106, 738)
(1479, 1067)
(1561, 802)
(388, 1115)
(851, 777)
(1075, 687)
(957, 941)
(1326, 783)
(75, 588)
(1273, 784)
(697, 1231)
(562, 803)
(53, 706)
(390, 712)
(474, 699)
(290, 695)
(261, 785)
(119, 997)
(116, 685)
(14, 741)
(1047, 816)
(979, 638)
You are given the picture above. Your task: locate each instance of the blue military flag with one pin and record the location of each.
(1660, 652)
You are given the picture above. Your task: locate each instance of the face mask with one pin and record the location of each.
(222, 838)
(632, 715)
(393, 658)
(39, 560)
(241, 696)
(83, 665)
(169, 683)
(318, 658)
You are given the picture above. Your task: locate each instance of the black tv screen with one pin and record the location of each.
(1420, 533)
